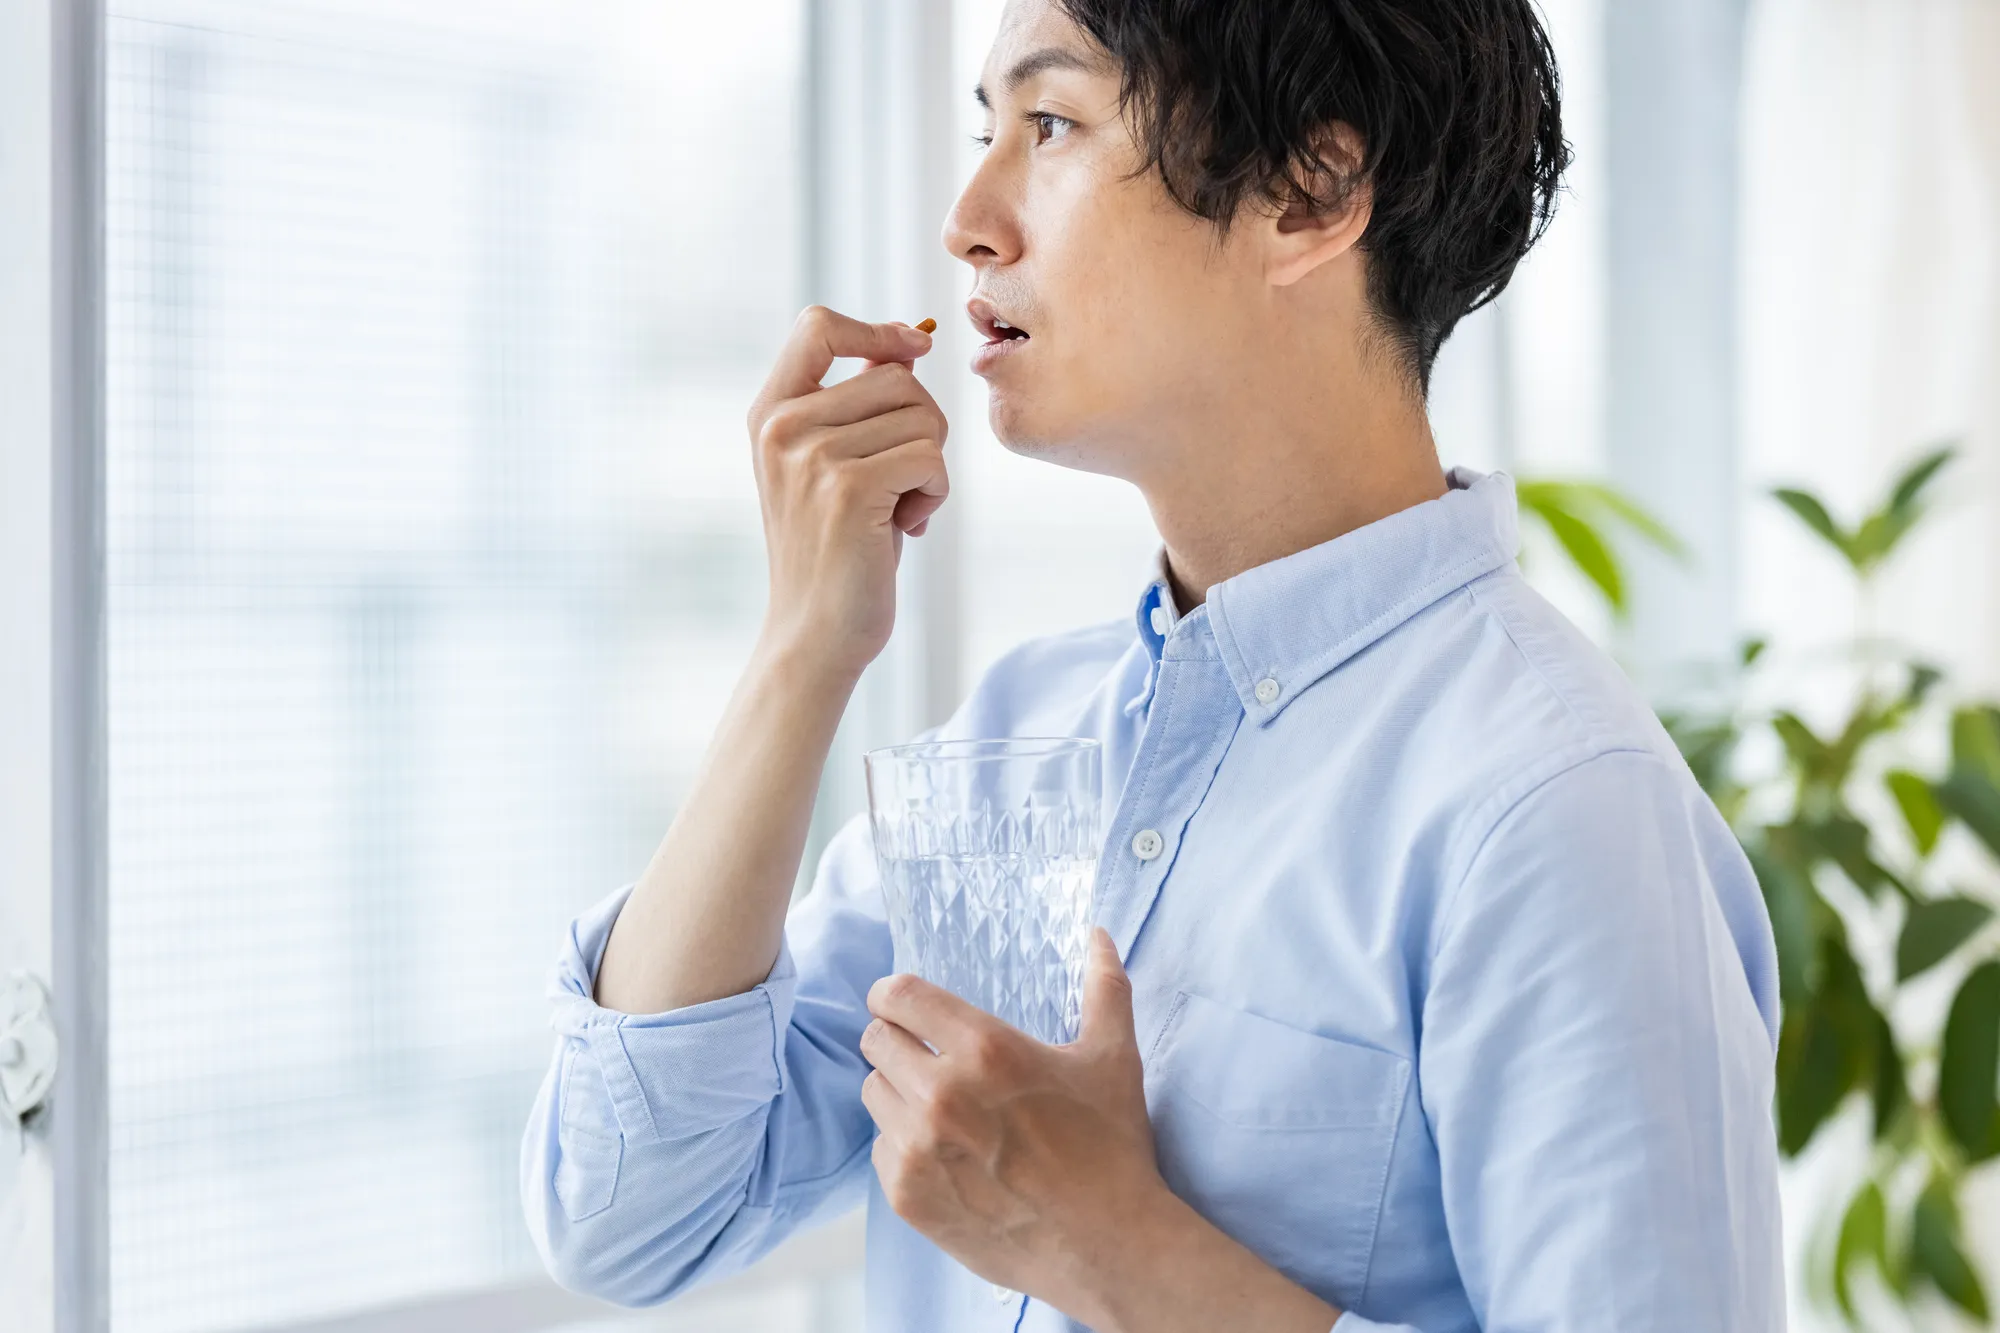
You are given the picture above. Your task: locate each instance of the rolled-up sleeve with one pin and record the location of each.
(665, 1149)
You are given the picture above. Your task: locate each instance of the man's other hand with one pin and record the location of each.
(1031, 1164)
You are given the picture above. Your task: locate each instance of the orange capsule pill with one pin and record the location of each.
(927, 325)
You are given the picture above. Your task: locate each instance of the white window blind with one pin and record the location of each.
(432, 558)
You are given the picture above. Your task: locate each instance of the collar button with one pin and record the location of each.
(1267, 690)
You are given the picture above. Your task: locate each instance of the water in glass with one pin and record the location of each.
(988, 854)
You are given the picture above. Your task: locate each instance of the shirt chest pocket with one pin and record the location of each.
(1280, 1137)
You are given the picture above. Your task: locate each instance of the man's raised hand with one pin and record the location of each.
(843, 473)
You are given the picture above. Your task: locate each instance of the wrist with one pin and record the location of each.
(805, 660)
(1179, 1271)
(1120, 1285)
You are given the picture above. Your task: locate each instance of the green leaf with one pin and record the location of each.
(1582, 516)
(1933, 929)
(1808, 751)
(1969, 1063)
(1923, 679)
(1879, 535)
(1976, 801)
(1972, 789)
(1975, 741)
(1789, 898)
(1825, 1048)
(1869, 719)
(1919, 804)
(1844, 840)
(1892, 1081)
(1864, 1237)
(1750, 650)
(1813, 514)
(1911, 484)
(1935, 1252)
(1872, 541)
(1633, 515)
(1587, 550)
(1815, 1071)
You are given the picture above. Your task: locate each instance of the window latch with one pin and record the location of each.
(27, 1047)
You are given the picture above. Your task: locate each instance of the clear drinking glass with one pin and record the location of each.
(988, 852)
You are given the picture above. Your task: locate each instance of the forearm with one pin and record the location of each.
(707, 915)
(1175, 1272)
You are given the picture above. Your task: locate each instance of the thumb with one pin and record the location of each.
(1107, 997)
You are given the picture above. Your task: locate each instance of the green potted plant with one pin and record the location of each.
(1844, 832)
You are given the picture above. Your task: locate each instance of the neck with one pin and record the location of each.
(1265, 487)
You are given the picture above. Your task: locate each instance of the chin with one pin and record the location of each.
(1031, 431)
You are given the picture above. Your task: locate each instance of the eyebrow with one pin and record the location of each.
(1040, 62)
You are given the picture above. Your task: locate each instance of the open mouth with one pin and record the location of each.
(992, 327)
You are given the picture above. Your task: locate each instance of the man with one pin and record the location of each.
(1431, 993)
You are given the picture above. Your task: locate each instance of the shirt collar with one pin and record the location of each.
(1283, 625)
(1157, 613)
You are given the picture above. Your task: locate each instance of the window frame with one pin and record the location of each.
(52, 615)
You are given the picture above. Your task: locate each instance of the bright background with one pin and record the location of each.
(434, 551)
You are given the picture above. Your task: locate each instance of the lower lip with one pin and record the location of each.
(992, 354)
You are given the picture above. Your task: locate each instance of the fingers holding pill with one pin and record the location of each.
(844, 473)
(822, 336)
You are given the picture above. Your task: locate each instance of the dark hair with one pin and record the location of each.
(1457, 102)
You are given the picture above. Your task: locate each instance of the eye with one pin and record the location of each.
(1048, 125)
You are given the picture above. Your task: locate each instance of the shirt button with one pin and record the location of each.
(1147, 844)
(1267, 690)
(1162, 622)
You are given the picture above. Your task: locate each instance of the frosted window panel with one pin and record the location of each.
(433, 555)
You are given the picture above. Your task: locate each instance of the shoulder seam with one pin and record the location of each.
(1507, 627)
(1507, 804)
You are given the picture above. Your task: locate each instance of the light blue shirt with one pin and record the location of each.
(1458, 1000)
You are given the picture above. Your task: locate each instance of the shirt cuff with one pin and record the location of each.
(683, 1072)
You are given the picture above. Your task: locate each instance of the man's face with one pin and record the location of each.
(1128, 303)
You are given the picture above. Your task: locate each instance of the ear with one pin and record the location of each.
(1301, 239)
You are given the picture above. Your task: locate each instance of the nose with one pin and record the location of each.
(983, 227)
